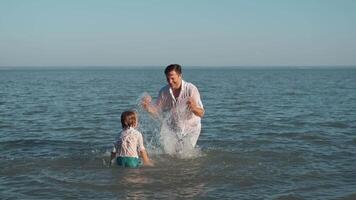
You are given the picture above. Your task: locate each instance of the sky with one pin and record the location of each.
(188, 32)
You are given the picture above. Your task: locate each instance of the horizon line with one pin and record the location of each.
(156, 66)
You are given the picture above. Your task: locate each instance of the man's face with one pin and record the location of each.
(174, 80)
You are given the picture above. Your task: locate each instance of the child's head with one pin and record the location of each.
(128, 119)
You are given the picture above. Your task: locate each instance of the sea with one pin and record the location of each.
(267, 133)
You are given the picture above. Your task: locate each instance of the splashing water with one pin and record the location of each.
(167, 134)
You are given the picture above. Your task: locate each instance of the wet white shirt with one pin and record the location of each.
(177, 109)
(129, 143)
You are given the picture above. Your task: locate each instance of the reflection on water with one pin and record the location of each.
(170, 178)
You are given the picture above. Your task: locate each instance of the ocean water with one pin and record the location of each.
(268, 133)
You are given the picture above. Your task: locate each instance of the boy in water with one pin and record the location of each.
(129, 145)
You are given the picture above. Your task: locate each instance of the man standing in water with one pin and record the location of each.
(180, 107)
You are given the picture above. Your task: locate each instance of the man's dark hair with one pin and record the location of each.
(173, 67)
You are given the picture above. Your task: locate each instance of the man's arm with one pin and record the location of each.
(192, 105)
(148, 106)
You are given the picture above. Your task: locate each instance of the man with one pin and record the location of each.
(180, 107)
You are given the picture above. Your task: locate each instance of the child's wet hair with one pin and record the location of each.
(128, 119)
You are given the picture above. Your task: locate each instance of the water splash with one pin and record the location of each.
(105, 157)
(166, 134)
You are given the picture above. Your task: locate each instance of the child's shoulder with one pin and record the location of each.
(130, 131)
(136, 131)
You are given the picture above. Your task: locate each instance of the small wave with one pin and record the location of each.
(31, 148)
(32, 142)
(349, 197)
(77, 128)
(335, 124)
(307, 175)
(353, 141)
(294, 93)
(314, 138)
(6, 126)
(288, 197)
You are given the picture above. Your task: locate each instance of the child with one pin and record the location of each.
(129, 145)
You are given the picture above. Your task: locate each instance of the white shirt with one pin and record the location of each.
(178, 111)
(129, 143)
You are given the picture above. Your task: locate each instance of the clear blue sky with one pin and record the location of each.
(189, 32)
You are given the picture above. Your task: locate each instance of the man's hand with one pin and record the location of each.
(146, 101)
(192, 106)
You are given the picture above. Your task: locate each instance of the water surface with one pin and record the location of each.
(267, 134)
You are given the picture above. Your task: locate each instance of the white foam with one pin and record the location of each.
(161, 138)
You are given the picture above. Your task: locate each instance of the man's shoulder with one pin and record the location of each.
(190, 85)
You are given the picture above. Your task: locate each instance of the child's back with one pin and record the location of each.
(129, 145)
